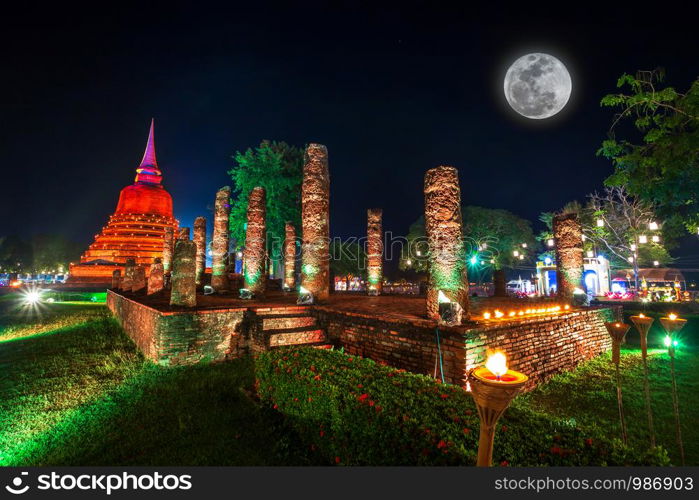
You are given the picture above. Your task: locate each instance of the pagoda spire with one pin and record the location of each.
(149, 155)
(148, 171)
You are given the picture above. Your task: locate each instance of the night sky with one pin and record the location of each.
(391, 91)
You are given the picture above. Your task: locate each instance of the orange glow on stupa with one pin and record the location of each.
(137, 227)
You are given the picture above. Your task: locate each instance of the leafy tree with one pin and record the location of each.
(662, 165)
(15, 254)
(277, 167)
(53, 252)
(347, 258)
(495, 239)
(624, 233)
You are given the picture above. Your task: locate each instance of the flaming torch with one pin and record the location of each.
(643, 324)
(618, 333)
(493, 387)
(672, 325)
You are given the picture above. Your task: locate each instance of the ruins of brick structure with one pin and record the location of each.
(256, 243)
(116, 278)
(127, 280)
(315, 206)
(135, 230)
(156, 277)
(374, 252)
(219, 242)
(448, 279)
(200, 242)
(139, 278)
(289, 256)
(183, 233)
(567, 234)
(183, 281)
(168, 249)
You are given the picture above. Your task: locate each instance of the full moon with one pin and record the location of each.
(537, 86)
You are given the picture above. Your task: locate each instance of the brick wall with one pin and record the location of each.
(174, 338)
(539, 347)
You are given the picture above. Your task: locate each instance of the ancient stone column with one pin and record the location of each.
(219, 244)
(139, 279)
(499, 283)
(315, 204)
(183, 279)
(289, 256)
(567, 233)
(116, 279)
(200, 242)
(155, 279)
(443, 227)
(374, 252)
(127, 281)
(168, 248)
(183, 233)
(256, 243)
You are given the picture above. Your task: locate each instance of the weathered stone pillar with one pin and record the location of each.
(127, 281)
(139, 278)
(200, 242)
(289, 256)
(256, 243)
(443, 226)
(374, 251)
(219, 244)
(184, 288)
(116, 279)
(155, 279)
(168, 248)
(183, 233)
(499, 283)
(567, 233)
(315, 204)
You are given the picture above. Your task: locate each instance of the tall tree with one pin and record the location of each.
(277, 167)
(661, 165)
(494, 240)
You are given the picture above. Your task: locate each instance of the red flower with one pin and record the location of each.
(441, 444)
(378, 408)
(504, 463)
(337, 460)
(360, 385)
(296, 399)
(444, 396)
(362, 397)
(310, 399)
(276, 406)
(322, 433)
(588, 441)
(350, 359)
(317, 377)
(371, 403)
(467, 431)
(555, 450)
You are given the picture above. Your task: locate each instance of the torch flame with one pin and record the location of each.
(497, 364)
(672, 316)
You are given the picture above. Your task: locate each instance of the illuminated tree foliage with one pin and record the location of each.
(491, 236)
(662, 165)
(618, 226)
(277, 167)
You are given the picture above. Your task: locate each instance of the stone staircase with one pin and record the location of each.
(290, 326)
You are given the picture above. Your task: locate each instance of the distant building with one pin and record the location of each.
(137, 227)
(596, 276)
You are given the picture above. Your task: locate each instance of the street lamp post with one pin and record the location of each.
(672, 325)
(643, 324)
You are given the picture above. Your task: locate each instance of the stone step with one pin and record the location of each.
(290, 310)
(286, 321)
(314, 345)
(296, 336)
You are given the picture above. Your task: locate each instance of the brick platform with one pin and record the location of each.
(389, 329)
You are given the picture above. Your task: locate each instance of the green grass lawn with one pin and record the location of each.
(75, 391)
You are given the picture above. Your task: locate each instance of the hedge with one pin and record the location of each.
(354, 411)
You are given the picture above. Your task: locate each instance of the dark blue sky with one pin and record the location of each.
(392, 91)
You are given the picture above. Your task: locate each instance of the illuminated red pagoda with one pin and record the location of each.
(136, 229)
